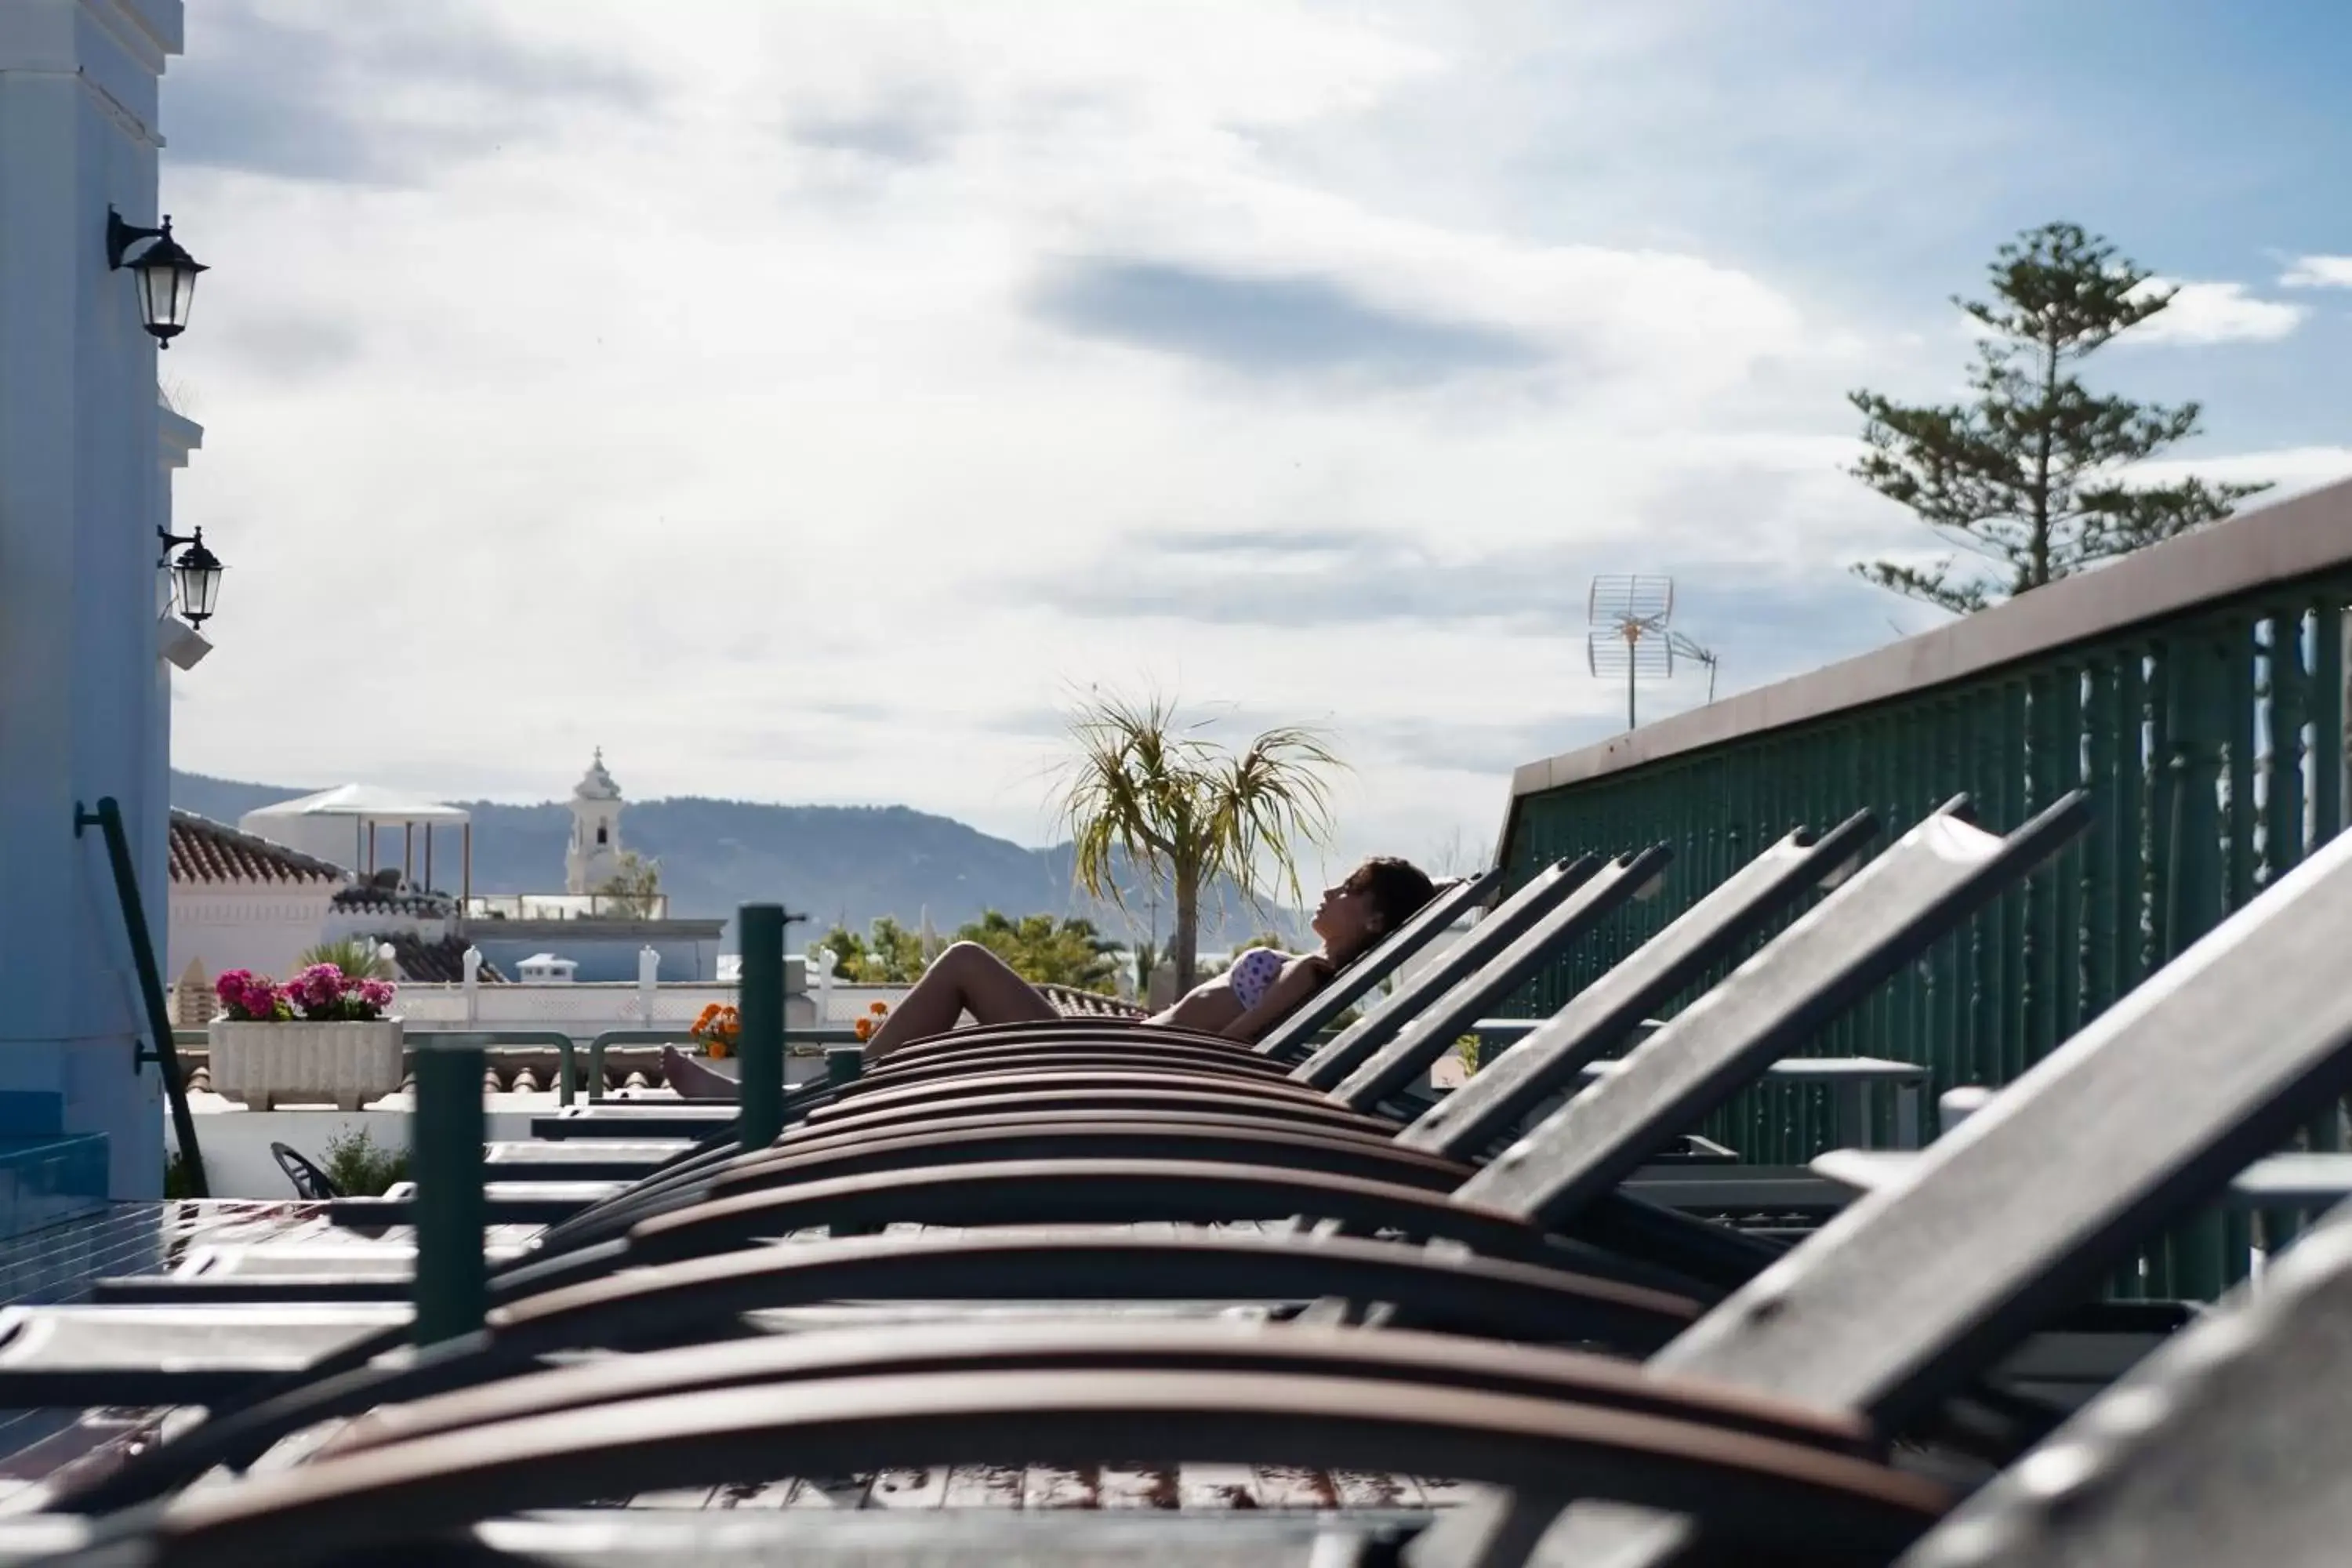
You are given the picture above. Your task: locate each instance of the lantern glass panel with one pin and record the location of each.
(199, 586)
(167, 290)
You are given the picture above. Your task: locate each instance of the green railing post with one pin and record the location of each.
(108, 819)
(2197, 889)
(452, 1285)
(2324, 697)
(842, 1064)
(762, 1045)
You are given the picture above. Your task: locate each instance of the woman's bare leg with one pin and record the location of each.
(966, 978)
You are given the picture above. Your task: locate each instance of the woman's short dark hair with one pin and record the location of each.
(1395, 889)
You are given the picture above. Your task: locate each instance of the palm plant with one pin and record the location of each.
(359, 960)
(1147, 791)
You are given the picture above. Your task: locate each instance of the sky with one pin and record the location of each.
(809, 402)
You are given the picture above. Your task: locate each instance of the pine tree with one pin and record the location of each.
(2024, 478)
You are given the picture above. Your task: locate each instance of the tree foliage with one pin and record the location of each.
(1046, 952)
(634, 890)
(1145, 791)
(2024, 476)
(889, 954)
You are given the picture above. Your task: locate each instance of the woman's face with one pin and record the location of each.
(1345, 920)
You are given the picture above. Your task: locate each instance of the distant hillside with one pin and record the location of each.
(853, 864)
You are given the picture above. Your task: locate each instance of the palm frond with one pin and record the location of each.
(1132, 790)
(1272, 795)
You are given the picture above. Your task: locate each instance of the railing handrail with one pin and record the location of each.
(108, 819)
(619, 907)
(2302, 537)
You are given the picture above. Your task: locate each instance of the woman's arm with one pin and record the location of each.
(1299, 979)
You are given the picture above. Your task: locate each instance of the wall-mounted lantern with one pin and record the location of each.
(195, 576)
(166, 274)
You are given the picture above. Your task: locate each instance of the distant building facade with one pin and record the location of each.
(601, 936)
(236, 900)
(594, 856)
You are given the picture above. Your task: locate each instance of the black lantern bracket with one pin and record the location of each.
(197, 572)
(166, 273)
(120, 237)
(170, 539)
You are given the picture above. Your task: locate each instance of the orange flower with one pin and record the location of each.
(864, 1027)
(879, 1008)
(718, 1027)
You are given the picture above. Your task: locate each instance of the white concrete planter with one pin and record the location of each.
(266, 1065)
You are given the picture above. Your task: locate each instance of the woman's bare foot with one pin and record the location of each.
(695, 1078)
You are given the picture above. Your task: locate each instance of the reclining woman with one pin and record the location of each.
(1261, 988)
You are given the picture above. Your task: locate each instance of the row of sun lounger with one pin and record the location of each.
(1108, 1248)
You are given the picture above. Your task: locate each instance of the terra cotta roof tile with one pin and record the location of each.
(203, 851)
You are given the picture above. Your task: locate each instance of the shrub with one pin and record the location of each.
(1467, 1047)
(360, 1170)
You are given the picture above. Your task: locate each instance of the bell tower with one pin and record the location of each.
(594, 856)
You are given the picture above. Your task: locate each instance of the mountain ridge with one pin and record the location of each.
(846, 864)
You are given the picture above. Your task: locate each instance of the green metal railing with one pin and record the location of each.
(2212, 742)
(164, 1053)
(569, 1050)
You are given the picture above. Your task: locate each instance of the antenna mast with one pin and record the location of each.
(1631, 637)
(1627, 617)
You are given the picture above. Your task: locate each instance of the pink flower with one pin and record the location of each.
(318, 990)
(249, 998)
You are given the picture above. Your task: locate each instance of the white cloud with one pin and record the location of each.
(2318, 272)
(2292, 470)
(2203, 313)
(714, 421)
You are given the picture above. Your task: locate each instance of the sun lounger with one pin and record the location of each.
(1290, 1040)
(1498, 957)
(1293, 1039)
(2018, 1213)
(2225, 1446)
(1919, 889)
(1066, 1104)
(1897, 906)
(1777, 1483)
(1890, 910)
(2137, 1117)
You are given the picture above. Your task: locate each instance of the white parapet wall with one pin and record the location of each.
(584, 1011)
(578, 1009)
(236, 1141)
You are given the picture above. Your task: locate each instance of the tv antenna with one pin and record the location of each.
(1630, 635)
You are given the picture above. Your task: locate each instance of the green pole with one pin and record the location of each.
(843, 1063)
(761, 1043)
(452, 1287)
(108, 818)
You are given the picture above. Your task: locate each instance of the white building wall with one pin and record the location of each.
(262, 928)
(84, 706)
(589, 863)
